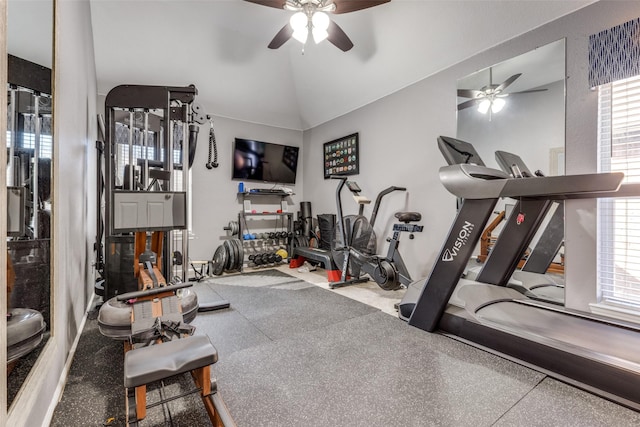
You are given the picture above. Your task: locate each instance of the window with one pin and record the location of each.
(27, 137)
(619, 219)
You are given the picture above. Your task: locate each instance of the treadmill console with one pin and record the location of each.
(458, 152)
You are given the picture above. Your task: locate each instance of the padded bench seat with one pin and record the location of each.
(148, 364)
(322, 256)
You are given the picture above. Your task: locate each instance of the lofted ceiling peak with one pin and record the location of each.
(221, 47)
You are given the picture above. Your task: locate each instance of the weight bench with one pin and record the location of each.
(193, 354)
(322, 256)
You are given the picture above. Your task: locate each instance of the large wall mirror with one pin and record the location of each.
(29, 180)
(518, 106)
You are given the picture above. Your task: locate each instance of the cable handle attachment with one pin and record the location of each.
(213, 147)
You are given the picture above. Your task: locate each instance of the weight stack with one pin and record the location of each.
(307, 218)
(327, 225)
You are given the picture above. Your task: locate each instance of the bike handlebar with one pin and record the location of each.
(383, 193)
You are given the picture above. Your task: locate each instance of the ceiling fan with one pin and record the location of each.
(490, 97)
(311, 17)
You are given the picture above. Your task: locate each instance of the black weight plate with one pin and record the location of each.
(240, 254)
(233, 264)
(236, 254)
(220, 259)
(232, 252)
(232, 259)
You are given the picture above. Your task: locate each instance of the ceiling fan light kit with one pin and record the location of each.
(311, 17)
(299, 23)
(484, 105)
(320, 23)
(496, 105)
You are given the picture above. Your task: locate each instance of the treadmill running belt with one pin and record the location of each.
(589, 338)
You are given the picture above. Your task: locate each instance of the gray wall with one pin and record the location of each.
(214, 193)
(74, 195)
(398, 144)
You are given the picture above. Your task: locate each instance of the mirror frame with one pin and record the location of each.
(4, 63)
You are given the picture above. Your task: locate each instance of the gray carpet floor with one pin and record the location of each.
(293, 354)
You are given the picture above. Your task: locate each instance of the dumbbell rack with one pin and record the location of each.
(285, 217)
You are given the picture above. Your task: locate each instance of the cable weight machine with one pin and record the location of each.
(150, 136)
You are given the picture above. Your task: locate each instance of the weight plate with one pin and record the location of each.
(236, 252)
(240, 255)
(233, 228)
(220, 259)
(234, 265)
(232, 259)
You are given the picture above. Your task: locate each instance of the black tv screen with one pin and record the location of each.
(264, 161)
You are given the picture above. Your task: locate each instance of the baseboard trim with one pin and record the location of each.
(62, 381)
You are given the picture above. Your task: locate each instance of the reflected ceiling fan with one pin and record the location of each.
(311, 17)
(491, 97)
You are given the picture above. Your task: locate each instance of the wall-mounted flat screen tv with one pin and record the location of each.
(264, 161)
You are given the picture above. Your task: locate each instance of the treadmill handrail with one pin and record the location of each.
(478, 182)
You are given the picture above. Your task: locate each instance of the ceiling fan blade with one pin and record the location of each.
(470, 93)
(281, 38)
(278, 4)
(345, 6)
(338, 37)
(528, 91)
(507, 82)
(467, 104)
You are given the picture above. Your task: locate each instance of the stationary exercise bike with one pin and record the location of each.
(354, 247)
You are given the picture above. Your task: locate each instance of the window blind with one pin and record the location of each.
(28, 137)
(619, 219)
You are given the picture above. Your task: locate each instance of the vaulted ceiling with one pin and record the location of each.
(221, 47)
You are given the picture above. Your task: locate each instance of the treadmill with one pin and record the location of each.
(545, 251)
(531, 279)
(597, 354)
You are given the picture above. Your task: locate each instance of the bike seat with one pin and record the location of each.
(408, 217)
